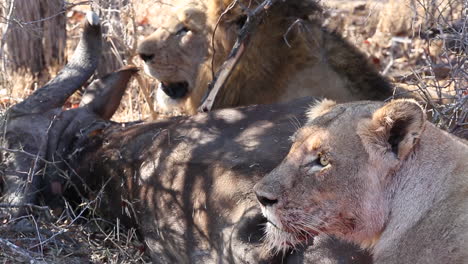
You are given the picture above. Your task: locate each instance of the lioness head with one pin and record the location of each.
(338, 172)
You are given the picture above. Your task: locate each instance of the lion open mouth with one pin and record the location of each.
(175, 90)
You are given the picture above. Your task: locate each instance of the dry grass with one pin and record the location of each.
(76, 236)
(433, 62)
(423, 49)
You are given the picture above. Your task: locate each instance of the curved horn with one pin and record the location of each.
(81, 66)
(103, 96)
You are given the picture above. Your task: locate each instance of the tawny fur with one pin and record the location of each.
(289, 56)
(320, 109)
(392, 183)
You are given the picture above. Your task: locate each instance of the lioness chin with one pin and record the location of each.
(375, 174)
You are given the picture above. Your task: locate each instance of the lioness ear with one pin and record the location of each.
(395, 127)
(319, 108)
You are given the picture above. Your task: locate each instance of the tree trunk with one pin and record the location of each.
(36, 38)
(113, 49)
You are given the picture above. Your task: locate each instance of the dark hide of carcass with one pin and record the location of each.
(185, 183)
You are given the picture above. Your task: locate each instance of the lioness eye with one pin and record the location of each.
(323, 160)
(318, 163)
(182, 31)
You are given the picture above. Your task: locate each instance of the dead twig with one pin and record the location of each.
(231, 6)
(143, 84)
(30, 206)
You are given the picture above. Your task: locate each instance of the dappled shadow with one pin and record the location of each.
(187, 182)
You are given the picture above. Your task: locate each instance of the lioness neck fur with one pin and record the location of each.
(377, 175)
(289, 56)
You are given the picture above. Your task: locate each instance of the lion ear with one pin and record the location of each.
(193, 16)
(394, 128)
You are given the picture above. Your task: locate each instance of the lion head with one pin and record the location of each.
(336, 177)
(174, 52)
(192, 43)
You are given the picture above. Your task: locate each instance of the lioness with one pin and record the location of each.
(290, 55)
(375, 174)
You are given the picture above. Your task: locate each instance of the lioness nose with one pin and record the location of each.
(265, 199)
(146, 57)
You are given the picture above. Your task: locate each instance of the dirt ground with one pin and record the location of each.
(413, 46)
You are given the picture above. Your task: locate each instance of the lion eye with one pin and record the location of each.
(182, 31)
(241, 21)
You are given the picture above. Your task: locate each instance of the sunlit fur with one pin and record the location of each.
(393, 183)
(320, 108)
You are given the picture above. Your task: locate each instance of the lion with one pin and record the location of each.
(289, 56)
(376, 174)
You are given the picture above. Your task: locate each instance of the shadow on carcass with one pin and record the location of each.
(185, 183)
